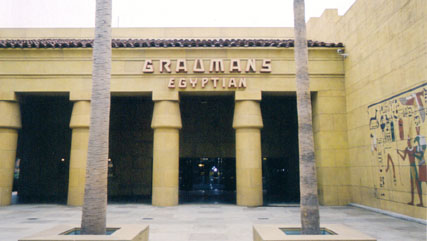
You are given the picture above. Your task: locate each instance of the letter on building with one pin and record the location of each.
(266, 66)
(251, 66)
(171, 84)
(232, 83)
(217, 65)
(193, 82)
(181, 66)
(182, 83)
(198, 66)
(204, 82)
(242, 83)
(235, 66)
(165, 65)
(148, 66)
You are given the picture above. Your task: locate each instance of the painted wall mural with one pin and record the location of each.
(398, 130)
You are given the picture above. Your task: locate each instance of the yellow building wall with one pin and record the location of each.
(387, 58)
(69, 70)
(331, 147)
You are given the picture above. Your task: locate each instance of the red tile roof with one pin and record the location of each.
(160, 43)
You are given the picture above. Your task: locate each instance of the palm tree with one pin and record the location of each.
(308, 180)
(95, 198)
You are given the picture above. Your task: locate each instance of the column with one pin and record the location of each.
(248, 123)
(10, 122)
(166, 124)
(80, 119)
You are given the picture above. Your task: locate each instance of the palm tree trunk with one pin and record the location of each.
(95, 198)
(308, 180)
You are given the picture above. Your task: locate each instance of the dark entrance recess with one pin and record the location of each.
(207, 180)
(131, 150)
(44, 149)
(207, 149)
(279, 139)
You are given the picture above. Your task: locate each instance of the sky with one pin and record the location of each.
(160, 13)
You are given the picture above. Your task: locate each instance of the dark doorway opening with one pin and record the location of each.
(279, 137)
(207, 150)
(210, 180)
(44, 144)
(131, 150)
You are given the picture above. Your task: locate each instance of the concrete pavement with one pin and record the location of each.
(203, 222)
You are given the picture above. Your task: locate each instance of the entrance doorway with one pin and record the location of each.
(207, 150)
(279, 138)
(131, 150)
(43, 149)
(210, 180)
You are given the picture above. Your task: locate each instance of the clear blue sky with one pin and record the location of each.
(161, 13)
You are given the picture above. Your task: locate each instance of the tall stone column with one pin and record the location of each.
(248, 123)
(166, 124)
(10, 122)
(80, 119)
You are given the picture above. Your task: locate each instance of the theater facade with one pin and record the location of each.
(208, 115)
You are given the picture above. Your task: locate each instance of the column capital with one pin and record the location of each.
(8, 95)
(247, 114)
(10, 115)
(80, 117)
(166, 114)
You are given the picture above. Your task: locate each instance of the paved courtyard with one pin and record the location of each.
(203, 222)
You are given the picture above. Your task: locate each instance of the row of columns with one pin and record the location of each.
(247, 122)
(166, 123)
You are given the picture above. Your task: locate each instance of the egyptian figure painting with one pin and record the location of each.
(398, 129)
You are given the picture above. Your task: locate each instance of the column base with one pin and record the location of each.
(5, 196)
(165, 196)
(75, 198)
(249, 197)
(8, 144)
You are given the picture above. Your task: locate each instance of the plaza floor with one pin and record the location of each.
(203, 222)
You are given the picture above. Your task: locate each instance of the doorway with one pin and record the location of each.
(131, 150)
(279, 138)
(207, 150)
(207, 180)
(43, 151)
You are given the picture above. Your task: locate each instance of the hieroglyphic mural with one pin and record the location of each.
(398, 129)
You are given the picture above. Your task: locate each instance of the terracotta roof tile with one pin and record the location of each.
(160, 43)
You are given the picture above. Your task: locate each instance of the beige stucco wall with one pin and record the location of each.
(387, 56)
(69, 70)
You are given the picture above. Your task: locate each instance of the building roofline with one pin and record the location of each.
(152, 33)
(161, 43)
